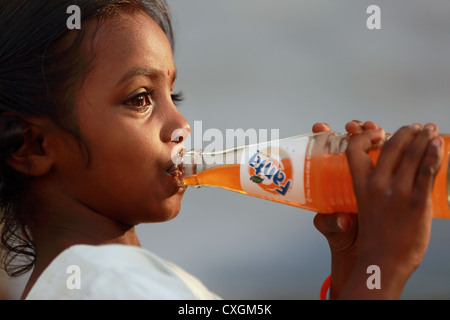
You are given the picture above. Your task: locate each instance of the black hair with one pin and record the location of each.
(40, 62)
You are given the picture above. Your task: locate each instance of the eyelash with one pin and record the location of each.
(177, 98)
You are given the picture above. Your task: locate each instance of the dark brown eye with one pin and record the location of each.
(140, 102)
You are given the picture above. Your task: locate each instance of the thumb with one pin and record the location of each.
(329, 224)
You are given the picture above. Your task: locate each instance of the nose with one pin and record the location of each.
(177, 128)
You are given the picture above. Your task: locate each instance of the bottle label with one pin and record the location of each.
(275, 169)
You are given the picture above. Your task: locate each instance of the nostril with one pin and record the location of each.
(179, 135)
(177, 139)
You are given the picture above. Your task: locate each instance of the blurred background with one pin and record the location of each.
(285, 65)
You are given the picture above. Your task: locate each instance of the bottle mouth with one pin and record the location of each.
(177, 169)
(187, 163)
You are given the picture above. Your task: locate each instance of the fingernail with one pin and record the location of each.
(416, 126)
(430, 127)
(436, 142)
(343, 223)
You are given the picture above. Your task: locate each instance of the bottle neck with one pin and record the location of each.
(197, 160)
(190, 163)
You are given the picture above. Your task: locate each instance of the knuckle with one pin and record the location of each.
(401, 191)
(428, 170)
(418, 201)
(430, 165)
(376, 186)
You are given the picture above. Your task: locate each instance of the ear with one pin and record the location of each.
(33, 158)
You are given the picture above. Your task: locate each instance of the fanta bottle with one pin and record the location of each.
(307, 171)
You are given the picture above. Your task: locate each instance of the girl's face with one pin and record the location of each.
(126, 116)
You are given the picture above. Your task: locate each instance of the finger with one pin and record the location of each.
(370, 125)
(392, 152)
(360, 163)
(357, 126)
(412, 159)
(328, 224)
(429, 167)
(354, 127)
(320, 127)
(359, 122)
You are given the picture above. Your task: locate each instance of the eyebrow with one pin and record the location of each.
(146, 72)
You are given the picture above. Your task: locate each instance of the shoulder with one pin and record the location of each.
(112, 272)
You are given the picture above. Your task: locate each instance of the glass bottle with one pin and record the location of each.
(308, 171)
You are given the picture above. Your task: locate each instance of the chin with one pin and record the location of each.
(167, 211)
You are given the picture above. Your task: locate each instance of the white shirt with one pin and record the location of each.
(115, 272)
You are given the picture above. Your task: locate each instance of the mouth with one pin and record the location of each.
(176, 171)
(176, 167)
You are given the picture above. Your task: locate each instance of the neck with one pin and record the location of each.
(70, 223)
(65, 228)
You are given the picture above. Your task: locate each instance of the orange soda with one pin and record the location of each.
(308, 171)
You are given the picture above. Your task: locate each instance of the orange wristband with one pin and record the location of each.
(325, 286)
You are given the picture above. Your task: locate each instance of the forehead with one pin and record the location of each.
(127, 40)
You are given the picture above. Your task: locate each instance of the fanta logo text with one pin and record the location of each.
(270, 174)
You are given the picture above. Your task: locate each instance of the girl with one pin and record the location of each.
(87, 120)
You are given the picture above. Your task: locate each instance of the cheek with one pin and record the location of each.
(132, 193)
(130, 162)
(119, 184)
(123, 166)
(120, 142)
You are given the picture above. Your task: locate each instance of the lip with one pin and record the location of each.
(176, 171)
(175, 166)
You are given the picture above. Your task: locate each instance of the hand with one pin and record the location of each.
(394, 204)
(340, 229)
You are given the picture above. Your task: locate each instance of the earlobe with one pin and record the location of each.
(33, 157)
